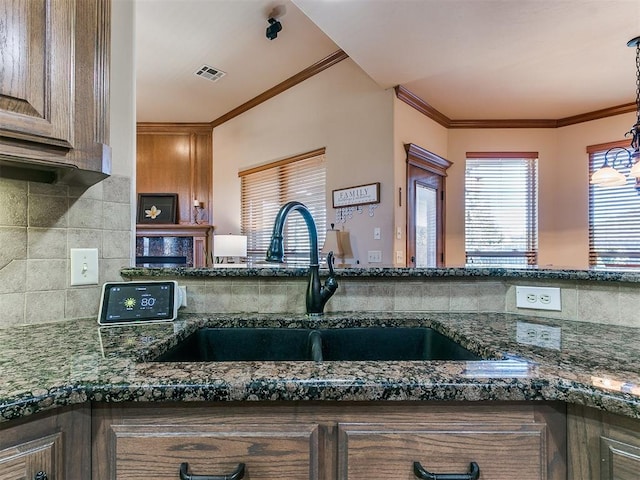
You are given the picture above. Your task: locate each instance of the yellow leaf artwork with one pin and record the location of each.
(152, 213)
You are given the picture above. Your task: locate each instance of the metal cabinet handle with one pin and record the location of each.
(420, 472)
(41, 476)
(237, 474)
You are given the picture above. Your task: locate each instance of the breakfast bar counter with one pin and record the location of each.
(72, 362)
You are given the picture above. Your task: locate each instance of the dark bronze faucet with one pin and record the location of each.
(317, 294)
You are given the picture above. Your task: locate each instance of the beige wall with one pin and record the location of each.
(340, 109)
(39, 223)
(563, 184)
(364, 129)
(411, 126)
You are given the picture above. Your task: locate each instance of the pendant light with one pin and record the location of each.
(607, 175)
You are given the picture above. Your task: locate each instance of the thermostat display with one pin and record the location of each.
(127, 302)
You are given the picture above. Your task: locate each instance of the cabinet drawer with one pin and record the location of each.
(268, 451)
(502, 451)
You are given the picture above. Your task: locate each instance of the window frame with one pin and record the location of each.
(486, 257)
(278, 183)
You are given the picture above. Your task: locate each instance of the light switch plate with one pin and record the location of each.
(84, 266)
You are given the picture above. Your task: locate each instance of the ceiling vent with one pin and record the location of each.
(210, 73)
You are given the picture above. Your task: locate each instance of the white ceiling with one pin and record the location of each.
(469, 59)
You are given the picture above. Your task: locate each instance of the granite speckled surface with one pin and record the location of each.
(457, 272)
(49, 365)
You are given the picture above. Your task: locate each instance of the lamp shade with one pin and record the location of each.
(230, 245)
(338, 242)
(345, 244)
(607, 177)
(332, 243)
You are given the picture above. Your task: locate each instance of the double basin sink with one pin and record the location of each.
(330, 344)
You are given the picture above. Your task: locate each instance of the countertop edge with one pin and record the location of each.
(455, 272)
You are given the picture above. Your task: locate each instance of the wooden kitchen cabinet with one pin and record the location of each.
(602, 446)
(54, 90)
(57, 444)
(322, 441)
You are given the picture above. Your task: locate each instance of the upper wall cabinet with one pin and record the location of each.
(54, 90)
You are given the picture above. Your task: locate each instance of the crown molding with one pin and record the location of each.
(605, 112)
(426, 160)
(173, 127)
(423, 107)
(292, 81)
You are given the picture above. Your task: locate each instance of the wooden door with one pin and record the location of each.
(426, 174)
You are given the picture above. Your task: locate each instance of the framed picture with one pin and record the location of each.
(157, 208)
(359, 195)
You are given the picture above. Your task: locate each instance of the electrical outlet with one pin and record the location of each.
(183, 295)
(539, 335)
(399, 256)
(374, 256)
(538, 298)
(84, 266)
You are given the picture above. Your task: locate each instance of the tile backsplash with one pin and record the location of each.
(39, 223)
(611, 303)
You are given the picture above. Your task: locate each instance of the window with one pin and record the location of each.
(614, 216)
(501, 209)
(265, 189)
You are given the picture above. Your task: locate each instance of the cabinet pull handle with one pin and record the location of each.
(420, 472)
(41, 476)
(237, 474)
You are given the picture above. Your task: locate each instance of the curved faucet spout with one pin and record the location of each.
(275, 253)
(317, 294)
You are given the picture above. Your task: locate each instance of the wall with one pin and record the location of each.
(563, 199)
(39, 223)
(411, 126)
(341, 109)
(364, 129)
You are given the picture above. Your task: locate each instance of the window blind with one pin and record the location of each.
(501, 210)
(265, 189)
(614, 218)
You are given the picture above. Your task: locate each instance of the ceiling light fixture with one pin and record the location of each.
(608, 175)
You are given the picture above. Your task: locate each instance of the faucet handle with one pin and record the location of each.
(330, 263)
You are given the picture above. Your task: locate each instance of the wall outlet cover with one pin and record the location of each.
(538, 298)
(374, 256)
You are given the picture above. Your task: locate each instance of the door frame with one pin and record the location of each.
(428, 164)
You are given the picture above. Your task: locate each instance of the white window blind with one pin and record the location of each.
(265, 189)
(614, 217)
(501, 209)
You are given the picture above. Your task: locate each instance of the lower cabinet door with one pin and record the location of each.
(268, 452)
(619, 460)
(27, 460)
(409, 451)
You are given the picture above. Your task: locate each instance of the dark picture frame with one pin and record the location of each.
(165, 204)
(359, 195)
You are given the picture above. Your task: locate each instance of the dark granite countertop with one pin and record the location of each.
(49, 365)
(269, 271)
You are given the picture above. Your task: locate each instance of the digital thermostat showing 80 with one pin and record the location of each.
(130, 302)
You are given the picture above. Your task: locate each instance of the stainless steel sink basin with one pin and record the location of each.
(331, 344)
